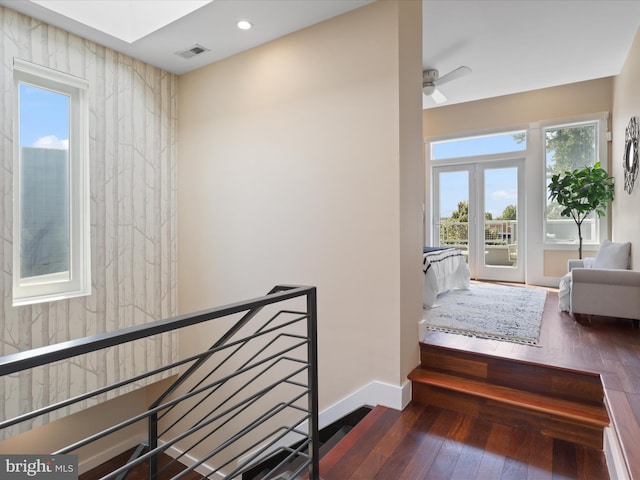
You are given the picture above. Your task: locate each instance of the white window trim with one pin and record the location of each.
(48, 288)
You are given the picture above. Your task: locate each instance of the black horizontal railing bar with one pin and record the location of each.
(273, 385)
(214, 390)
(142, 416)
(248, 401)
(298, 384)
(186, 451)
(221, 341)
(283, 429)
(301, 469)
(293, 453)
(290, 454)
(304, 410)
(168, 444)
(245, 341)
(136, 453)
(65, 403)
(242, 370)
(313, 473)
(94, 393)
(248, 405)
(85, 396)
(36, 357)
(284, 432)
(250, 461)
(240, 343)
(171, 442)
(252, 426)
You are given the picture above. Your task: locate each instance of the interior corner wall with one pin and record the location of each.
(289, 173)
(626, 104)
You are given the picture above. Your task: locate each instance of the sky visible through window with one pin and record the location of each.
(44, 118)
(501, 191)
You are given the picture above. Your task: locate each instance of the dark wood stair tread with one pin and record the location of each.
(582, 412)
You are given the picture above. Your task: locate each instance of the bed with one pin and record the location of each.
(444, 268)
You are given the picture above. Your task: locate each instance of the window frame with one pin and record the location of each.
(77, 282)
(601, 155)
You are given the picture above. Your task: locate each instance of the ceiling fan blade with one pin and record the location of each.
(452, 75)
(438, 96)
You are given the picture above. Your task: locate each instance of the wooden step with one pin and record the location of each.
(583, 387)
(571, 420)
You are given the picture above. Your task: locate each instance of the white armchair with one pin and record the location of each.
(603, 285)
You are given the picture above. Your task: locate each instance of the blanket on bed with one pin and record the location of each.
(443, 269)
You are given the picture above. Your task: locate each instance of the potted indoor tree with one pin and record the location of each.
(581, 192)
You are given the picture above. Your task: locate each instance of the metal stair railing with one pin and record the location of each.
(252, 393)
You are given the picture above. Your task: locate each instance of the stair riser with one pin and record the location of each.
(511, 415)
(558, 383)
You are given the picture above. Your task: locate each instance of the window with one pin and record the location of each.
(51, 185)
(570, 147)
(479, 145)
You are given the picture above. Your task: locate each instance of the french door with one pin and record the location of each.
(479, 208)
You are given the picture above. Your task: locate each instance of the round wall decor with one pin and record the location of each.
(630, 156)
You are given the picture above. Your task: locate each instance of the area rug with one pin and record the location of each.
(498, 312)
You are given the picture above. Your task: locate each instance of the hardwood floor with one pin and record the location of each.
(425, 443)
(437, 443)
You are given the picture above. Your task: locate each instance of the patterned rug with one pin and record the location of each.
(498, 312)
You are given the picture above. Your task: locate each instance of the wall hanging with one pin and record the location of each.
(630, 156)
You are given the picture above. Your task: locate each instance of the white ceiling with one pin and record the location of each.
(517, 46)
(511, 46)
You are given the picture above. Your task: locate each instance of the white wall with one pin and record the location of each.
(300, 163)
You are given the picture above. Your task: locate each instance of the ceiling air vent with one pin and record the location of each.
(192, 51)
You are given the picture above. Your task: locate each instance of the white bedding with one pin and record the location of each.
(443, 270)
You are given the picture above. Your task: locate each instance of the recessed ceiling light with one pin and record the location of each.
(244, 25)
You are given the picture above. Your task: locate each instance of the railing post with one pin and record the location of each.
(153, 444)
(312, 332)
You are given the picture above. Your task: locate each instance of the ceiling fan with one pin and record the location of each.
(431, 80)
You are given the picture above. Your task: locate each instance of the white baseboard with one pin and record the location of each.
(204, 469)
(113, 451)
(375, 393)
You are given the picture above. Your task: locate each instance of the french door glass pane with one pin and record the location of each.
(501, 217)
(454, 209)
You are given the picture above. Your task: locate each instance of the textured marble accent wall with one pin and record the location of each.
(133, 111)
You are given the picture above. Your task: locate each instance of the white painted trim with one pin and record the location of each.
(203, 469)
(98, 459)
(375, 393)
(77, 281)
